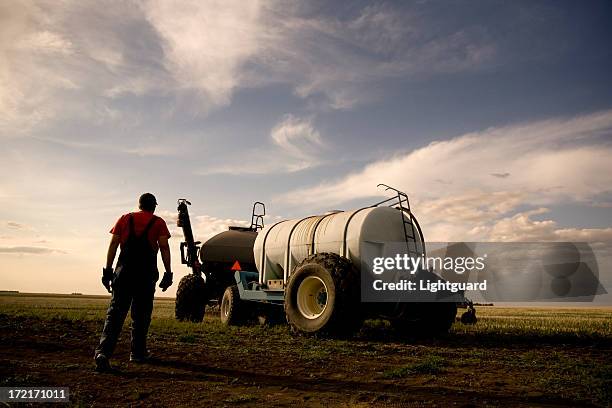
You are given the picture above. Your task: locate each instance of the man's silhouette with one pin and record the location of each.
(132, 284)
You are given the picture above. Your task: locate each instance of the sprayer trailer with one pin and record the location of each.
(306, 271)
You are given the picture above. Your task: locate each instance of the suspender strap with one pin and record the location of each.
(147, 228)
(131, 226)
(149, 225)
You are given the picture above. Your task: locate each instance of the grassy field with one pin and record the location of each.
(512, 356)
(513, 323)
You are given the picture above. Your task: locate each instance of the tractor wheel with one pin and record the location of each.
(191, 299)
(322, 296)
(231, 308)
(425, 319)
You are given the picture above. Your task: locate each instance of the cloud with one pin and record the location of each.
(521, 227)
(295, 145)
(63, 60)
(547, 159)
(20, 228)
(171, 218)
(298, 144)
(296, 137)
(24, 87)
(147, 146)
(30, 250)
(45, 42)
(471, 206)
(206, 226)
(203, 226)
(206, 43)
(343, 59)
(76, 60)
(551, 161)
(217, 47)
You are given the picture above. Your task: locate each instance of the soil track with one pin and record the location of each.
(249, 367)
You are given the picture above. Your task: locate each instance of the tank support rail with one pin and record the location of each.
(250, 289)
(469, 317)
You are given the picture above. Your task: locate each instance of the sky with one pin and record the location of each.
(495, 117)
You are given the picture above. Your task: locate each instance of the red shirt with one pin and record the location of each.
(141, 219)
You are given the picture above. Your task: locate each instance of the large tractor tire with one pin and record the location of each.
(426, 319)
(232, 311)
(323, 296)
(191, 299)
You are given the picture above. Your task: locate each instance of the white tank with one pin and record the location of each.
(358, 235)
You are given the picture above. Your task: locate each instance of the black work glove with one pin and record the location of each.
(166, 281)
(107, 278)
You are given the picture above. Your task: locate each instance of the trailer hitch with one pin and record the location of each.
(469, 316)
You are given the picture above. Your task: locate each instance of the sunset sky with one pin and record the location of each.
(494, 116)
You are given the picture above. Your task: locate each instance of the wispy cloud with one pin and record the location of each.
(145, 147)
(16, 225)
(30, 250)
(298, 144)
(297, 137)
(343, 59)
(294, 145)
(58, 60)
(56, 56)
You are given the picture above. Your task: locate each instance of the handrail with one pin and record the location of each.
(401, 198)
(256, 218)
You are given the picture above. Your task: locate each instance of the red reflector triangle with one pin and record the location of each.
(236, 266)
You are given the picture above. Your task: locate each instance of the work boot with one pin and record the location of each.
(102, 363)
(141, 358)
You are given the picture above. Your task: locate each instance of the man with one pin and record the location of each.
(140, 235)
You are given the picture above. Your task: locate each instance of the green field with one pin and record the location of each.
(587, 323)
(557, 355)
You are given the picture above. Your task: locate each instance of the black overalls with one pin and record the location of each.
(133, 285)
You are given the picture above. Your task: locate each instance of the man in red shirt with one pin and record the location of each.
(132, 284)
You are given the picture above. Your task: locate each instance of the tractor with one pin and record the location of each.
(307, 271)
